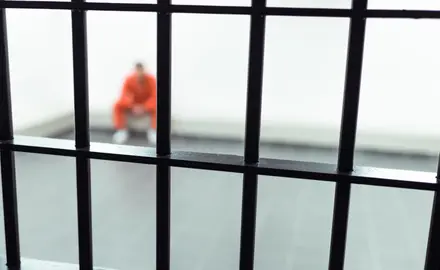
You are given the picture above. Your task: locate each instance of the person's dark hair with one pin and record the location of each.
(139, 65)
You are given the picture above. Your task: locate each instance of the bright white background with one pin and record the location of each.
(303, 75)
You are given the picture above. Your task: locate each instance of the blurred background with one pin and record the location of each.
(303, 74)
(303, 81)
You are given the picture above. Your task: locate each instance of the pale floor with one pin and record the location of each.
(388, 228)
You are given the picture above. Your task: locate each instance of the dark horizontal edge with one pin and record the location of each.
(402, 14)
(204, 9)
(226, 163)
(307, 12)
(244, 10)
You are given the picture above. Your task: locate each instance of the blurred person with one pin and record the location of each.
(138, 97)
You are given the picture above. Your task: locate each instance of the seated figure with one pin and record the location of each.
(138, 97)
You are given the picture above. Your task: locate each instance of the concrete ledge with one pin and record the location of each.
(33, 264)
(314, 136)
(49, 128)
(294, 134)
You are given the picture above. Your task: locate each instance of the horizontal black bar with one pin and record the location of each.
(227, 163)
(307, 12)
(402, 14)
(78, 6)
(233, 10)
(244, 10)
(320, 12)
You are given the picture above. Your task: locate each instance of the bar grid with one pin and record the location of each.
(250, 165)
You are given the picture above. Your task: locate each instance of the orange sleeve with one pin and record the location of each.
(150, 103)
(126, 98)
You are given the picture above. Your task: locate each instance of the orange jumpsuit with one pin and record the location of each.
(135, 94)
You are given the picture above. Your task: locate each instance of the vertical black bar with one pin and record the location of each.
(82, 138)
(353, 73)
(6, 130)
(348, 133)
(164, 78)
(84, 209)
(432, 261)
(255, 82)
(252, 136)
(339, 226)
(163, 184)
(433, 250)
(163, 205)
(80, 76)
(7, 159)
(10, 209)
(248, 220)
(438, 168)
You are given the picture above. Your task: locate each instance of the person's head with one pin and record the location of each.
(139, 68)
(140, 71)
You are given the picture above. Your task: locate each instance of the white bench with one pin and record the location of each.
(103, 120)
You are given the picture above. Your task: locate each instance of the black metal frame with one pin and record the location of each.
(251, 165)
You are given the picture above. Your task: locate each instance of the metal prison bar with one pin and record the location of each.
(250, 165)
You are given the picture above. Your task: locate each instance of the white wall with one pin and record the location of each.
(303, 75)
(40, 60)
